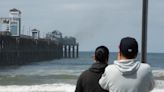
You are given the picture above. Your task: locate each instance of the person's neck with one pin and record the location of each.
(123, 59)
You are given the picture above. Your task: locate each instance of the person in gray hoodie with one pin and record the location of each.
(127, 74)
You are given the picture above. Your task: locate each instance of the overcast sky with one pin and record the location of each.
(92, 22)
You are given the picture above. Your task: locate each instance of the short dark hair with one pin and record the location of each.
(129, 47)
(102, 54)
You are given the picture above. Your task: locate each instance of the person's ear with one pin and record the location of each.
(119, 54)
(94, 58)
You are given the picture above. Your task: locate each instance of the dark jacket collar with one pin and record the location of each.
(98, 67)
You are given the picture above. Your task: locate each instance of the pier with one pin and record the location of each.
(19, 49)
(70, 48)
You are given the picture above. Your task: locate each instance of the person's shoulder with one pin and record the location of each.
(146, 67)
(84, 72)
(111, 72)
(110, 67)
(82, 76)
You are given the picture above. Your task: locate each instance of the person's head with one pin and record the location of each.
(101, 54)
(128, 48)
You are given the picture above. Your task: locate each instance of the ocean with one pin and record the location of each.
(61, 75)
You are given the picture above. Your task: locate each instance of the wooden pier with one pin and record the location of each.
(19, 51)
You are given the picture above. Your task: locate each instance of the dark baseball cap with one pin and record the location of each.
(129, 47)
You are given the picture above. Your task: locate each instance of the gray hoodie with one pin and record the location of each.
(127, 76)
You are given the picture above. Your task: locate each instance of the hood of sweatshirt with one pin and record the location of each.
(98, 67)
(129, 66)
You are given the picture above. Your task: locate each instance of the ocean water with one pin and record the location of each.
(61, 75)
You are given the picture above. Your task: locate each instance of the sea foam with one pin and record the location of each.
(48, 88)
(39, 88)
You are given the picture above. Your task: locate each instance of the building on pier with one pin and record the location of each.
(70, 46)
(35, 34)
(12, 23)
